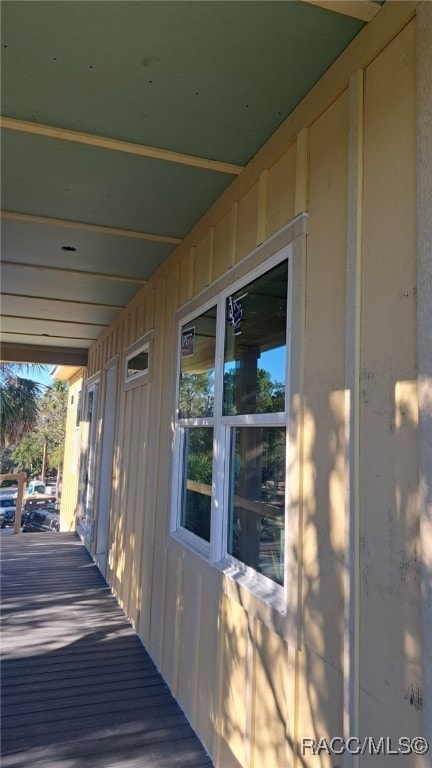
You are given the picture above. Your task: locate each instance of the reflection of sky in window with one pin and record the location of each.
(273, 361)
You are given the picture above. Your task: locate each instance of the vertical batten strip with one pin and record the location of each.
(351, 662)
(211, 256)
(424, 340)
(295, 481)
(233, 234)
(192, 257)
(301, 180)
(296, 751)
(262, 207)
(249, 739)
(220, 663)
(177, 626)
(198, 611)
(191, 273)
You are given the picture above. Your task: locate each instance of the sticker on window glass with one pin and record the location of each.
(188, 342)
(235, 314)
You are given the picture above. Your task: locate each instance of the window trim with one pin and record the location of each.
(216, 552)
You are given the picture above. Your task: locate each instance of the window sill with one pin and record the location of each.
(262, 598)
(192, 542)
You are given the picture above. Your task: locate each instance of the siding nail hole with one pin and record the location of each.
(68, 248)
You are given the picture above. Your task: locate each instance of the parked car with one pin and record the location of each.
(37, 495)
(42, 520)
(39, 487)
(7, 508)
(36, 486)
(8, 500)
(38, 503)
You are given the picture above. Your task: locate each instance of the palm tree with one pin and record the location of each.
(18, 402)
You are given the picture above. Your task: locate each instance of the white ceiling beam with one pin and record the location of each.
(50, 300)
(48, 320)
(116, 145)
(27, 217)
(79, 272)
(30, 334)
(365, 10)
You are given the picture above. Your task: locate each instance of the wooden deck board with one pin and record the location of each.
(78, 688)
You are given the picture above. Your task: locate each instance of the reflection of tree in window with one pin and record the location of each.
(255, 356)
(257, 499)
(254, 383)
(268, 397)
(196, 390)
(197, 488)
(196, 397)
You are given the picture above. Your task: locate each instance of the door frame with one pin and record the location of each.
(105, 462)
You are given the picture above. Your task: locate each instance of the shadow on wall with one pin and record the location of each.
(389, 594)
(389, 588)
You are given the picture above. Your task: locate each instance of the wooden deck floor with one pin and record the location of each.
(78, 688)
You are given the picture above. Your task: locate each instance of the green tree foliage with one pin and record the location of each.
(199, 469)
(19, 399)
(49, 431)
(6, 461)
(263, 395)
(196, 396)
(28, 454)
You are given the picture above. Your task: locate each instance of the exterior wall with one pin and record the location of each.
(71, 456)
(347, 658)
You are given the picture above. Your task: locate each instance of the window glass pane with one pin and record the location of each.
(137, 364)
(198, 343)
(197, 481)
(257, 499)
(78, 410)
(255, 345)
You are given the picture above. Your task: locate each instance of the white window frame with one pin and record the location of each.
(88, 456)
(215, 552)
(76, 429)
(143, 344)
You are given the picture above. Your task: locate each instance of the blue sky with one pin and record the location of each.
(41, 376)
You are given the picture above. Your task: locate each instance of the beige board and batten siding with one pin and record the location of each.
(389, 520)
(70, 479)
(250, 685)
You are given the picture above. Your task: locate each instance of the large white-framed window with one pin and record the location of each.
(230, 456)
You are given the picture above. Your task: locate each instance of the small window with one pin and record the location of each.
(78, 409)
(137, 363)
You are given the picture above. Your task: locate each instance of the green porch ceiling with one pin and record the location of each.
(212, 80)
(204, 78)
